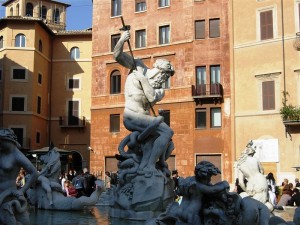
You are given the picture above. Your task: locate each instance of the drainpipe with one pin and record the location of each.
(283, 54)
(50, 93)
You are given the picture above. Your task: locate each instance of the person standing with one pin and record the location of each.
(78, 183)
(89, 182)
(107, 180)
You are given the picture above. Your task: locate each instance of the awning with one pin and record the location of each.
(46, 149)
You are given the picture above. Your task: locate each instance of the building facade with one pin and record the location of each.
(266, 65)
(194, 36)
(45, 79)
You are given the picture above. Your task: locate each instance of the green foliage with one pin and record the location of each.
(288, 111)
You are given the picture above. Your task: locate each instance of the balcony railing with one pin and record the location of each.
(207, 90)
(72, 121)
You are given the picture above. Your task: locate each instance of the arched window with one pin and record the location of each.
(43, 12)
(1, 41)
(75, 53)
(29, 10)
(40, 46)
(115, 82)
(20, 40)
(56, 16)
(11, 11)
(18, 10)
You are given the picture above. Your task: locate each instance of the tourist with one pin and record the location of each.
(89, 182)
(70, 190)
(271, 182)
(71, 175)
(143, 88)
(107, 180)
(297, 183)
(286, 196)
(78, 183)
(63, 180)
(12, 200)
(295, 199)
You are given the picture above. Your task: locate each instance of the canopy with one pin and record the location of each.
(46, 149)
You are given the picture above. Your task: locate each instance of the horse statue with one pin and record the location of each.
(47, 192)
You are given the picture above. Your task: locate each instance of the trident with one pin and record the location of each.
(125, 28)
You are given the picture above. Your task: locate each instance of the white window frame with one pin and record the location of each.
(140, 40)
(115, 13)
(76, 53)
(164, 6)
(20, 43)
(18, 96)
(73, 78)
(160, 26)
(217, 120)
(12, 74)
(138, 2)
(275, 25)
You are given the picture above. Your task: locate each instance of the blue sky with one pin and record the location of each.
(79, 14)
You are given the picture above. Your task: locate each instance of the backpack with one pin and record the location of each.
(78, 184)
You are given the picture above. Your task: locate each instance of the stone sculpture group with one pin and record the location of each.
(42, 189)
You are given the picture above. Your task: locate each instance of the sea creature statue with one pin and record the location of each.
(145, 187)
(47, 192)
(204, 203)
(13, 204)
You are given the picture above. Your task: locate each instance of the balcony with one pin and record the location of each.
(207, 92)
(72, 122)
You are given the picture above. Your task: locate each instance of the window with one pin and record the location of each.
(201, 80)
(115, 82)
(114, 40)
(73, 83)
(1, 75)
(266, 25)
(73, 113)
(214, 28)
(200, 29)
(215, 159)
(43, 12)
(20, 40)
(140, 5)
(164, 34)
(18, 10)
(200, 118)
(215, 117)
(115, 123)
(56, 16)
(215, 78)
(40, 46)
(166, 115)
(116, 8)
(163, 3)
(75, 53)
(11, 11)
(268, 95)
(19, 74)
(29, 10)
(140, 38)
(38, 137)
(19, 132)
(167, 84)
(18, 104)
(39, 104)
(1, 41)
(40, 78)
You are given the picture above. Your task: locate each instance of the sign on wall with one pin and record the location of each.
(267, 150)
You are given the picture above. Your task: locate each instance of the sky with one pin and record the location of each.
(79, 14)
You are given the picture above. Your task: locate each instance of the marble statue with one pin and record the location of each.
(145, 186)
(48, 194)
(204, 203)
(250, 170)
(13, 204)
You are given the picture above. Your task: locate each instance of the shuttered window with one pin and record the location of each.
(200, 29)
(266, 25)
(214, 159)
(268, 95)
(214, 28)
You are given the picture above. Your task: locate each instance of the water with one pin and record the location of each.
(97, 215)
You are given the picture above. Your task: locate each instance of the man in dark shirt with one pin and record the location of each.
(295, 198)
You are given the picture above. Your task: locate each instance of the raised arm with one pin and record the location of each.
(121, 57)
